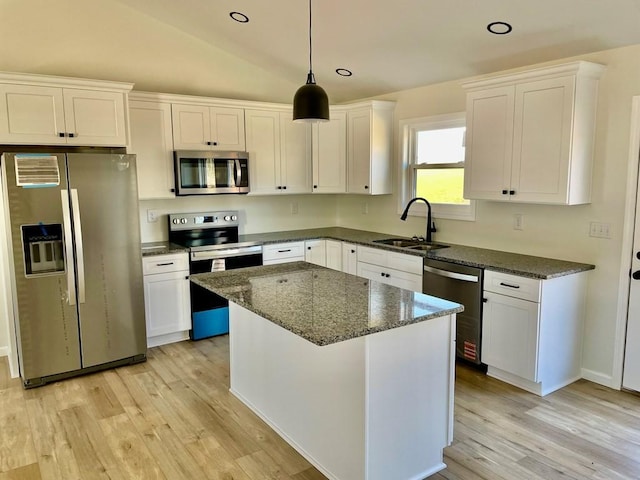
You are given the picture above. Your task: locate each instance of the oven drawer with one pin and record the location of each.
(173, 262)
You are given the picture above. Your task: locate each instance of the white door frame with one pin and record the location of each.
(624, 282)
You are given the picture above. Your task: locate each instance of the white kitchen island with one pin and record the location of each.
(356, 375)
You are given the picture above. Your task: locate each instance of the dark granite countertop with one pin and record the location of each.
(506, 262)
(161, 248)
(321, 305)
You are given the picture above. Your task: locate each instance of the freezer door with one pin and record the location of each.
(39, 231)
(107, 239)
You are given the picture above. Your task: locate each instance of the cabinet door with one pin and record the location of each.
(315, 252)
(334, 254)
(330, 155)
(349, 258)
(489, 142)
(94, 118)
(263, 145)
(542, 140)
(295, 155)
(31, 114)
(152, 142)
(167, 303)
(191, 127)
(510, 330)
(227, 128)
(359, 151)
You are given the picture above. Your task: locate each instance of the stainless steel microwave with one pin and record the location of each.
(211, 172)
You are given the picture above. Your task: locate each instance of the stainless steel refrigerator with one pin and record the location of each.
(74, 243)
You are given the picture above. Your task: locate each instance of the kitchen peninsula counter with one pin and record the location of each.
(356, 375)
(507, 262)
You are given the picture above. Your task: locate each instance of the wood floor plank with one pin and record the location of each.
(173, 417)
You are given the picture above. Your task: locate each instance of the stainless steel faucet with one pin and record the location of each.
(431, 227)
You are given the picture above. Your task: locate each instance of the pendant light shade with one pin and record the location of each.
(310, 103)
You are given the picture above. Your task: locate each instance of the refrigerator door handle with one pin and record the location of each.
(68, 248)
(75, 206)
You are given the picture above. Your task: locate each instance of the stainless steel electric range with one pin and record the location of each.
(212, 240)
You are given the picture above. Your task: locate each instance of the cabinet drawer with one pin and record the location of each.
(512, 285)
(406, 263)
(279, 251)
(173, 262)
(374, 256)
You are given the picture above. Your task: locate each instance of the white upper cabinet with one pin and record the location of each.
(530, 135)
(330, 154)
(369, 161)
(43, 110)
(152, 142)
(206, 127)
(280, 153)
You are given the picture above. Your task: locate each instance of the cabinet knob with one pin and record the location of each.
(172, 190)
(187, 277)
(485, 300)
(61, 134)
(512, 192)
(279, 187)
(315, 186)
(636, 275)
(308, 248)
(284, 188)
(353, 251)
(382, 274)
(504, 192)
(212, 143)
(366, 187)
(71, 135)
(387, 275)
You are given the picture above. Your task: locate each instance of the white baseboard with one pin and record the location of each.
(600, 378)
(4, 351)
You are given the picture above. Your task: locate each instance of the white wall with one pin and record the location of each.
(257, 214)
(549, 231)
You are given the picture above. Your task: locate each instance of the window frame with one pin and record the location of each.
(407, 129)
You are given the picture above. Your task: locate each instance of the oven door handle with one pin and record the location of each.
(226, 253)
(454, 275)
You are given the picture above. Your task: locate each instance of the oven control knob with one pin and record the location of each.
(183, 220)
(227, 218)
(175, 221)
(234, 217)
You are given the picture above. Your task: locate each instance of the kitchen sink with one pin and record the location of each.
(410, 244)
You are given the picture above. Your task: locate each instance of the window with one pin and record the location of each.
(433, 165)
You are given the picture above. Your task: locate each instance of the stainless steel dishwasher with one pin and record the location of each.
(460, 284)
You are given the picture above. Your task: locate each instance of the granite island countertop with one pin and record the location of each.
(321, 305)
(506, 262)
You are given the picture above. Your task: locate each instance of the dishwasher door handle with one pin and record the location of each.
(456, 276)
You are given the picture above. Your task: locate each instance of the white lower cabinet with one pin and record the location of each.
(315, 251)
(397, 269)
(532, 330)
(283, 253)
(334, 254)
(167, 298)
(349, 258)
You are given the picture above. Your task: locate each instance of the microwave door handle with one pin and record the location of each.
(75, 207)
(238, 174)
(68, 248)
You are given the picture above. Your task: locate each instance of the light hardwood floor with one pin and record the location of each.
(173, 418)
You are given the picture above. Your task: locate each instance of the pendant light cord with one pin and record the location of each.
(310, 66)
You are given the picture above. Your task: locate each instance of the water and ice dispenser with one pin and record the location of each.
(43, 249)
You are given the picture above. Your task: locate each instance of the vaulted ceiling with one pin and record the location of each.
(194, 46)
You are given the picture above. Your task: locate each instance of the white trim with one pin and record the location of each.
(600, 378)
(627, 246)
(4, 351)
(55, 81)
(450, 212)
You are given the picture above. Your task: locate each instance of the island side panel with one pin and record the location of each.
(312, 396)
(409, 399)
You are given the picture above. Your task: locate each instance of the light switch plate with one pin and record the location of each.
(599, 230)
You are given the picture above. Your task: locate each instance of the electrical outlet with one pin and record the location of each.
(152, 216)
(599, 230)
(294, 208)
(518, 221)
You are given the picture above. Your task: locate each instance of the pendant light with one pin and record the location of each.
(310, 103)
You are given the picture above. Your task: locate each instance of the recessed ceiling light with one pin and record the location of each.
(344, 72)
(239, 17)
(499, 28)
